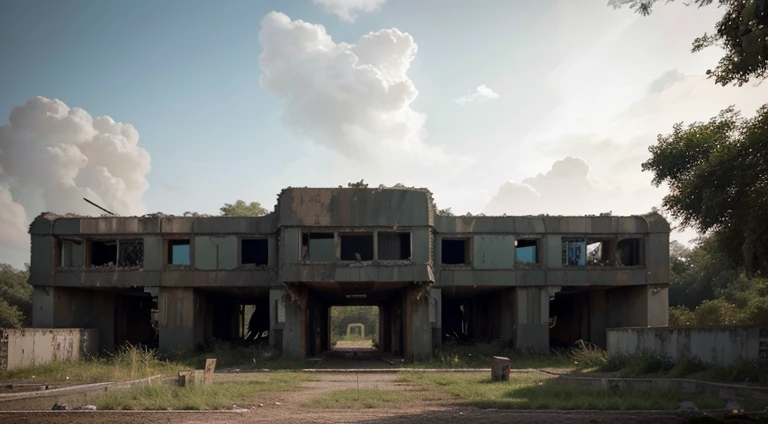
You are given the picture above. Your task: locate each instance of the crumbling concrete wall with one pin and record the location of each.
(712, 345)
(36, 346)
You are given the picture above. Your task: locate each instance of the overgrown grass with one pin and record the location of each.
(651, 365)
(480, 355)
(354, 399)
(128, 363)
(535, 392)
(218, 396)
(243, 357)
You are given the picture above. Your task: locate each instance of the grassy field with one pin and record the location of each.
(218, 396)
(530, 391)
(361, 399)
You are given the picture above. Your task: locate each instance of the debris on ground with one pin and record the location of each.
(688, 407)
(85, 408)
(59, 407)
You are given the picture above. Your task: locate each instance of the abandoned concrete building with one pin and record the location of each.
(176, 282)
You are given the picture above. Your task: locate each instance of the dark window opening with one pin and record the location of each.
(71, 254)
(526, 251)
(455, 251)
(130, 253)
(628, 252)
(394, 246)
(318, 247)
(254, 251)
(599, 252)
(356, 247)
(104, 253)
(178, 252)
(574, 252)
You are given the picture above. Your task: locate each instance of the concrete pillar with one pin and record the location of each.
(638, 306)
(43, 307)
(508, 314)
(418, 330)
(436, 317)
(294, 335)
(396, 328)
(276, 318)
(181, 316)
(532, 317)
(598, 318)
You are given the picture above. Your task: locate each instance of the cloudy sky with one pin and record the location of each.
(498, 107)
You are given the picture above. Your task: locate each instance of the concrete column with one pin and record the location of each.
(181, 314)
(276, 318)
(418, 330)
(532, 317)
(436, 317)
(598, 304)
(295, 329)
(43, 307)
(638, 306)
(508, 314)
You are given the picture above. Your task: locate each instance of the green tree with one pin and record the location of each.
(742, 33)
(717, 173)
(240, 208)
(15, 297)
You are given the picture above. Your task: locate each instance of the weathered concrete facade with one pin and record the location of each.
(38, 346)
(535, 281)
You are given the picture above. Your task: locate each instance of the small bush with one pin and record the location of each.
(686, 366)
(646, 364)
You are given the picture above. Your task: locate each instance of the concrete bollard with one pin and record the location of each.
(500, 368)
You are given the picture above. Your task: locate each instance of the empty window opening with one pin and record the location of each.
(130, 253)
(356, 247)
(178, 252)
(104, 253)
(526, 251)
(394, 246)
(574, 252)
(71, 254)
(455, 251)
(254, 251)
(354, 328)
(318, 247)
(628, 252)
(599, 252)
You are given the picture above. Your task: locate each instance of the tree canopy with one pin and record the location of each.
(240, 208)
(717, 173)
(15, 297)
(742, 33)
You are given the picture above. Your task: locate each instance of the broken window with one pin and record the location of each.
(525, 251)
(356, 247)
(629, 253)
(254, 251)
(318, 247)
(574, 252)
(103, 253)
(599, 252)
(130, 253)
(178, 252)
(71, 254)
(394, 246)
(455, 251)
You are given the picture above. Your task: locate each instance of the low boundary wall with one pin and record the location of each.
(36, 346)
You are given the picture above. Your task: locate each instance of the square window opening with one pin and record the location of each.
(254, 251)
(130, 253)
(356, 247)
(394, 246)
(629, 252)
(103, 253)
(318, 247)
(455, 251)
(574, 252)
(526, 251)
(178, 252)
(599, 252)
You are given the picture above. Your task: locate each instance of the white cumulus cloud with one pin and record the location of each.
(348, 10)
(352, 98)
(51, 156)
(481, 94)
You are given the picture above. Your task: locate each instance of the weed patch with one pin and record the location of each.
(535, 392)
(217, 396)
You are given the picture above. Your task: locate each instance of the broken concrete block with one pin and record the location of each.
(59, 407)
(85, 408)
(687, 407)
(500, 368)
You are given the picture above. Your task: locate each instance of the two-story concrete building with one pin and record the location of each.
(535, 280)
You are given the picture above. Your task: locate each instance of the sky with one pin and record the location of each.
(498, 107)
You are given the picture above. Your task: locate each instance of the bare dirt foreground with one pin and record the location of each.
(286, 407)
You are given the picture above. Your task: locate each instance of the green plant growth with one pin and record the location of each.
(532, 391)
(218, 396)
(342, 316)
(15, 297)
